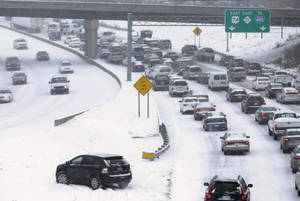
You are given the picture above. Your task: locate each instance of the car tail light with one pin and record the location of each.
(187, 87)
(223, 120)
(247, 103)
(212, 109)
(104, 171)
(197, 110)
(212, 83)
(287, 139)
(264, 102)
(246, 142)
(296, 158)
(276, 78)
(207, 121)
(228, 143)
(172, 88)
(244, 196)
(275, 126)
(208, 196)
(262, 115)
(227, 82)
(271, 90)
(233, 94)
(184, 104)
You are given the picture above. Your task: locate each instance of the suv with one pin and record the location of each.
(236, 73)
(192, 72)
(252, 101)
(205, 54)
(161, 82)
(226, 60)
(12, 63)
(178, 87)
(97, 171)
(227, 189)
(189, 49)
(59, 84)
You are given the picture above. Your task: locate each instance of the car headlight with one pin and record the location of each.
(66, 86)
(52, 87)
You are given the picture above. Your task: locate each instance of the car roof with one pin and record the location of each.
(238, 89)
(4, 88)
(237, 135)
(268, 106)
(194, 66)
(289, 89)
(205, 104)
(103, 155)
(53, 76)
(283, 111)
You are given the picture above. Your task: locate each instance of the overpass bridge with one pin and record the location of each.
(93, 10)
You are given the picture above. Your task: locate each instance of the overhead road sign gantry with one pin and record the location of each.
(247, 21)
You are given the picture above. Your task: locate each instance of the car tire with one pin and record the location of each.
(61, 178)
(51, 92)
(123, 185)
(225, 152)
(296, 188)
(95, 182)
(284, 151)
(270, 132)
(246, 111)
(274, 137)
(294, 170)
(205, 128)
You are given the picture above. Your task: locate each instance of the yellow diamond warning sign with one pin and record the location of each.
(143, 85)
(197, 31)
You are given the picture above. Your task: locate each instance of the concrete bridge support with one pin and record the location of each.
(91, 29)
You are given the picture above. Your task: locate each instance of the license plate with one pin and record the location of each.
(255, 103)
(225, 197)
(223, 82)
(216, 125)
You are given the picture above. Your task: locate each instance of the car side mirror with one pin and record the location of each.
(298, 116)
(250, 185)
(206, 184)
(248, 137)
(68, 162)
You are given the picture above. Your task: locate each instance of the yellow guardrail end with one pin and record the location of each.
(150, 156)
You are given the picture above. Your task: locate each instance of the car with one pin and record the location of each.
(201, 97)
(165, 44)
(203, 78)
(272, 89)
(6, 96)
(157, 51)
(107, 36)
(42, 56)
(235, 142)
(115, 57)
(178, 87)
(189, 49)
(282, 77)
(225, 60)
(59, 84)
(264, 113)
(20, 44)
(227, 189)
(192, 72)
(236, 94)
(161, 82)
(218, 80)
(12, 63)
(146, 33)
(266, 72)
(295, 159)
(288, 95)
(234, 62)
(162, 70)
(69, 38)
(187, 104)
(281, 121)
(172, 55)
(215, 122)
(251, 102)
(297, 182)
(169, 62)
(236, 73)
(95, 170)
(74, 42)
(54, 36)
(19, 78)
(260, 83)
(290, 139)
(152, 59)
(183, 62)
(103, 53)
(138, 66)
(205, 54)
(253, 68)
(201, 109)
(65, 66)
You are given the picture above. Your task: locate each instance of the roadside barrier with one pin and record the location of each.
(58, 122)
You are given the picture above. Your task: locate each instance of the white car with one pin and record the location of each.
(20, 44)
(288, 95)
(68, 39)
(65, 67)
(178, 87)
(6, 95)
(74, 42)
(187, 104)
(260, 83)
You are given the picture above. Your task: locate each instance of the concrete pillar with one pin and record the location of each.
(91, 29)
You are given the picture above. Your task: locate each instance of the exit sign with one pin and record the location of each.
(247, 21)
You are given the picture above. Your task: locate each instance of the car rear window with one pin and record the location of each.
(281, 73)
(225, 187)
(263, 79)
(239, 92)
(285, 115)
(195, 69)
(220, 77)
(269, 109)
(292, 132)
(255, 98)
(190, 100)
(180, 83)
(239, 70)
(4, 91)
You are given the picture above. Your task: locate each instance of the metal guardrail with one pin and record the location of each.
(58, 122)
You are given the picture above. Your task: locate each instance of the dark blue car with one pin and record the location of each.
(215, 123)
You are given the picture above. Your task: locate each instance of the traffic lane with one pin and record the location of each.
(257, 167)
(247, 84)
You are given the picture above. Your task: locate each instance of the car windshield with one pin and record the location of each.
(276, 85)
(281, 73)
(19, 74)
(195, 69)
(209, 50)
(4, 91)
(180, 83)
(254, 65)
(59, 79)
(12, 58)
(162, 78)
(165, 69)
(239, 92)
(269, 109)
(21, 40)
(190, 100)
(255, 98)
(285, 115)
(108, 33)
(66, 64)
(226, 187)
(263, 79)
(220, 77)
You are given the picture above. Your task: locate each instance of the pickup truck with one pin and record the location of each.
(283, 78)
(281, 121)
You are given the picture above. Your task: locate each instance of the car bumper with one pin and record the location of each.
(19, 81)
(59, 91)
(289, 146)
(115, 179)
(236, 148)
(66, 71)
(216, 126)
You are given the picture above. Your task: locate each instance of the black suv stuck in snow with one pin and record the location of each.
(97, 171)
(227, 189)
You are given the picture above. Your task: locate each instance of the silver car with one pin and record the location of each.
(290, 139)
(187, 104)
(295, 159)
(19, 78)
(235, 142)
(6, 96)
(236, 73)
(288, 95)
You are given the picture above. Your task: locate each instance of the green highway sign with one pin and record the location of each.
(247, 21)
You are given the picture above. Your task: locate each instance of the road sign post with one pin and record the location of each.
(247, 21)
(143, 85)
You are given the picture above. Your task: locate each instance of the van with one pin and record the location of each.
(218, 80)
(69, 28)
(53, 27)
(192, 72)
(162, 70)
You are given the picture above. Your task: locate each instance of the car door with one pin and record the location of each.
(73, 170)
(88, 167)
